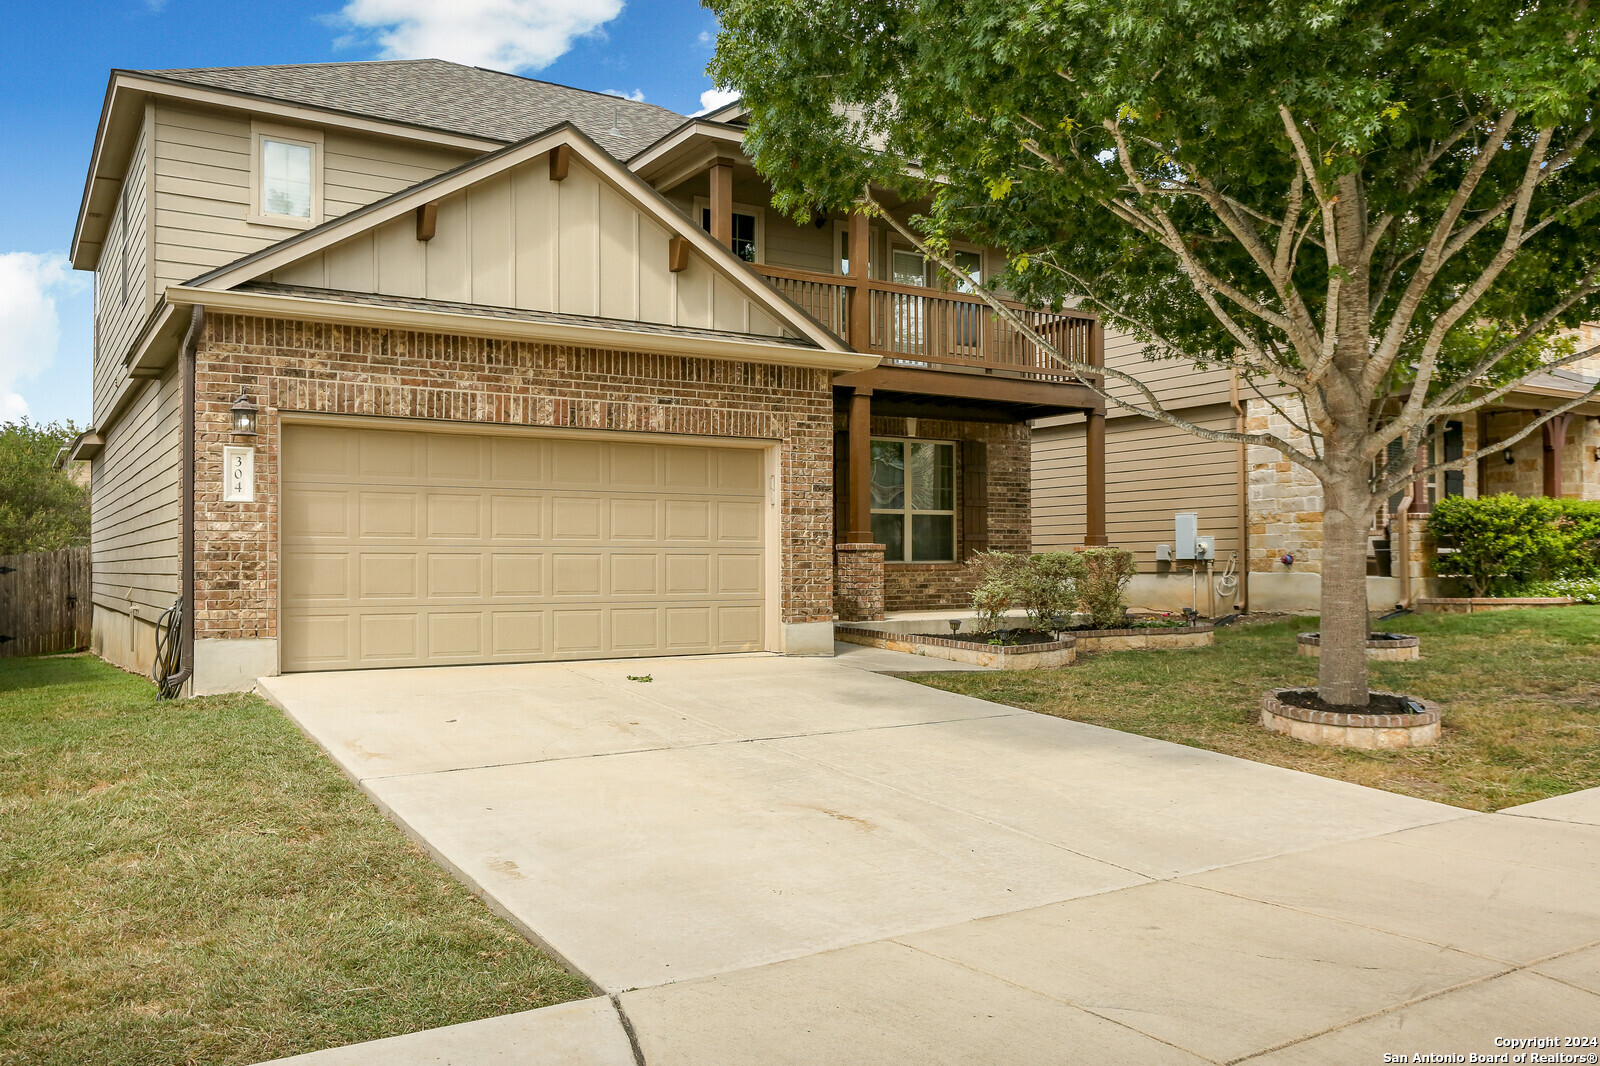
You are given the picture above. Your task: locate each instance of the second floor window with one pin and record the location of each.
(914, 500)
(285, 178)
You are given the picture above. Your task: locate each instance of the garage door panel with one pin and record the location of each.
(576, 462)
(388, 515)
(456, 577)
(635, 518)
(388, 576)
(453, 458)
(455, 516)
(404, 547)
(516, 518)
(317, 513)
(738, 522)
(575, 518)
(739, 471)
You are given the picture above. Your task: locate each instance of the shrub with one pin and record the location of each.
(1107, 572)
(1000, 577)
(1048, 587)
(1496, 543)
(1582, 589)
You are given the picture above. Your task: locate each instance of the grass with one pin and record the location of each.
(194, 882)
(1520, 691)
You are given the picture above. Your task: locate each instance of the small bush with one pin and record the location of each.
(1107, 572)
(1496, 543)
(1000, 577)
(1048, 587)
(1582, 589)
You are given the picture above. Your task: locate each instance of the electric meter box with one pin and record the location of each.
(1187, 525)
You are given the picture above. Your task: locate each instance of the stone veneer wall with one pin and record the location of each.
(308, 367)
(933, 586)
(1286, 500)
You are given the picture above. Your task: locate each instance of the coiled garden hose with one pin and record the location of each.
(169, 645)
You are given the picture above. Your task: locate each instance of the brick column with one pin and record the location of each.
(858, 582)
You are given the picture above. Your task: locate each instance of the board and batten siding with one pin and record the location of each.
(202, 184)
(1153, 470)
(518, 239)
(123, 291)
(135, 522)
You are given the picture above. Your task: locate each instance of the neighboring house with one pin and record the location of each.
(409, 363)
(1262, 509)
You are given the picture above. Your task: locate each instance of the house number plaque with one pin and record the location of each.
(238, 475)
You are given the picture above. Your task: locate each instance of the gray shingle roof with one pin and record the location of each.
(514, 313)
(446, 96)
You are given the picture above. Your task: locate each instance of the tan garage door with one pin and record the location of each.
(408, 548)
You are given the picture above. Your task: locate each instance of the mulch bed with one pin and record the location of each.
(1380, 703)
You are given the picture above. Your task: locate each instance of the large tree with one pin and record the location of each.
(1382, 213)
(42, 508)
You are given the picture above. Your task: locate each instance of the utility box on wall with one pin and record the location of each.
(1187, 525)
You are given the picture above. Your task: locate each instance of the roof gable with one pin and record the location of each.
(509, 234)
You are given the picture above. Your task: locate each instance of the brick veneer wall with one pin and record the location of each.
(932, 586)
(858, 582)
(308, 367)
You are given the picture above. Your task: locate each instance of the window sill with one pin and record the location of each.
(899, 565)
(280, 221)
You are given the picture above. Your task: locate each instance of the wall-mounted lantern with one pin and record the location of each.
(1508, 457)
(244, 416)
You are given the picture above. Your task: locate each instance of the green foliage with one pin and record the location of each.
(41, 508)
(1004, 117)
(1107, 572)
(1496, 543)
(1000, 576)
(1047, 587)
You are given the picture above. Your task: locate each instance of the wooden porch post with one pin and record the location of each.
(860, 337)
(722, 204)
(1094, 453)
(1555, 439)
(858, 527)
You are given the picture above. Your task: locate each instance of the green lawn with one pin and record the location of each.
(194, 882)
(1520, 691)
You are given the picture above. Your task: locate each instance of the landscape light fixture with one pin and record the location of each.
(244, 416)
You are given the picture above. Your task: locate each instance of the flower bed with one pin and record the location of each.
(1339, 729)
(1473, 604)
(1139, 637)
(996, 656)
(1385, 647)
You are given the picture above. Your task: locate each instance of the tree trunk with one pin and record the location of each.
(1342, 672)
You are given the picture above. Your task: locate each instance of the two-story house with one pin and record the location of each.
(410, 363)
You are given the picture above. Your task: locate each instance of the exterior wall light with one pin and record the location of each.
(244, 416)
(1508, 457)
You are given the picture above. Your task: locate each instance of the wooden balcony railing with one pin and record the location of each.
(928, 328)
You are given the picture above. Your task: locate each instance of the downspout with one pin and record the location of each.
(1242, 500)
(186, 354)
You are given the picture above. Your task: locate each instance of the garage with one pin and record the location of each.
(428, 547)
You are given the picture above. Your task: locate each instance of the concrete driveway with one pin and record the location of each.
(770, 860)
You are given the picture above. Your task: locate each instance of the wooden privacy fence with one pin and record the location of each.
(44, 602)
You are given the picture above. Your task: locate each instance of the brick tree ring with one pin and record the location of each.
(1386, 647)
(1336, 729)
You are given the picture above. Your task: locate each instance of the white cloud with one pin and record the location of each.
(30, 330)
(707, 38)
(636, 96)
(504, 34)
(712, 99)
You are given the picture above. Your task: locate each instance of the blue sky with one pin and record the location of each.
(57, 56)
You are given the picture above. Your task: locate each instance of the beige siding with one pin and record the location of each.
(135, 504)
(1152, 472)
(202, 181)
(1177, 383)
(518, 239)
(799, 247)
(122, 296)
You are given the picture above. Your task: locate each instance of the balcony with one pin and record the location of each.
(931, 329)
